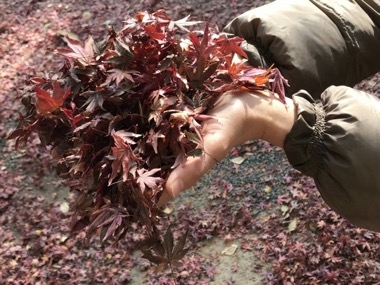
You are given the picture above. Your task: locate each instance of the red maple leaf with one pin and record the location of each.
(277, 83)
(124, 158)
(84, 54)
(155, 32)
(48, 103)
(146, 179)
(118, 76)
(231, 45)
(164, 252)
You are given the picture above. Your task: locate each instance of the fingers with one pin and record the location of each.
(185, 176)
(190, 172)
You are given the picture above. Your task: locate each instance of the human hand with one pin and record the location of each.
(237, 117)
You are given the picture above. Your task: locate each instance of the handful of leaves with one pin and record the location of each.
(121, 114)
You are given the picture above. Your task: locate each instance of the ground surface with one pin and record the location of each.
(282, 231)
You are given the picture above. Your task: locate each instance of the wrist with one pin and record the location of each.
(279, 120)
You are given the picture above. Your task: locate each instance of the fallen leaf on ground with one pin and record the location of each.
(230, 250)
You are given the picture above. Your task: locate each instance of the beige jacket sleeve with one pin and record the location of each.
(336, 140)
(314, 43)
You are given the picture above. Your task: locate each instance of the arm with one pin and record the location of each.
(316, 43)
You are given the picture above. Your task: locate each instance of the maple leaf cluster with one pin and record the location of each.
(122, 113)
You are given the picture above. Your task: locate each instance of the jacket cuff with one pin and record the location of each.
(335, 140)
(304, 144)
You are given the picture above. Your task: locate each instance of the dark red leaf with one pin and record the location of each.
(163, 252)
(48, 103)
(124, 157)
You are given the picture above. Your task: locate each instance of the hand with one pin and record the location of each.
(237, 117)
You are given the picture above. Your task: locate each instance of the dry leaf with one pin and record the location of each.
(64, 207)
(230, 250)
(292, 225)
(237, 160)
(267, 189)
(168, 210)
